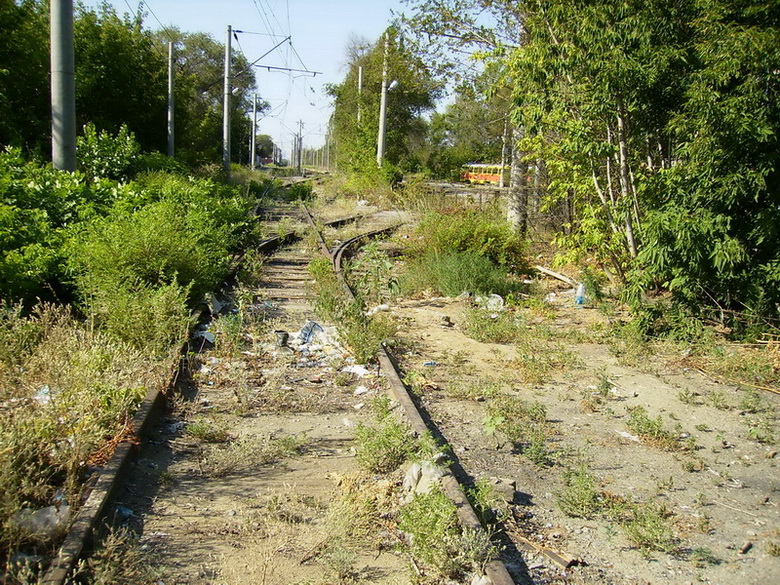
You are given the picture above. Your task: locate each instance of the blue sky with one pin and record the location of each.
(320, 31)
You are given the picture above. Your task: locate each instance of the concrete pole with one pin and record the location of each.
(300, 147)
(253, 148)
(63, 86)
(360, 92)
(226, 106)
(170, 100)
(380, 143)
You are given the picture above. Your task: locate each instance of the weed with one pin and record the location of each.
(207, 431)
(117, 560)
(773, 548)
(752, 402)
(477, 232)
(364, 504)
(451, 273)
(702, 557)
(687, 396)
(651, 430)
(383, 448)
(580, 497)
(491, 508)
(480, 389)
(649, 529)
(489, 327)
(340, 563)
(246, 453)
(718, 399)
(491, 424)
(432, 522)
(372, 271)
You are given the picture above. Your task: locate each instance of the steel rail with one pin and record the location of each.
(495, 569)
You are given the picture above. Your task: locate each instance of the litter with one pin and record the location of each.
(309, 331)
(492, 302)
(43, 396)
(357, 370)
(360, 390)
(627, 435)
(430, 363)
(379, 308)
(579, 295)
(207, 335)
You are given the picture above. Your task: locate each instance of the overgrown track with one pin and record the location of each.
(285, 298)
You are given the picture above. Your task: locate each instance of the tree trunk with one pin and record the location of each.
(517, 209)
(625, 189)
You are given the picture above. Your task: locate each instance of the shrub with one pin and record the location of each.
(102, 155)
(432, 521)
(478, 232)
(157, 245)
(451, 273)
(383, 448)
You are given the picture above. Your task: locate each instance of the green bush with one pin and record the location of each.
(476, 231)
(157, 245)
(451, 273)
(102, 155)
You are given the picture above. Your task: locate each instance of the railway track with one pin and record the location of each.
(250, 476)
(205, 482)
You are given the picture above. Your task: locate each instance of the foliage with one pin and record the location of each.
(657, 129)
(372, 271)
(384, 447)
(432, 521)
(479, 232)
(361, 332)
(103, 155)
(66, 388)
(25, 102)
(415, 93)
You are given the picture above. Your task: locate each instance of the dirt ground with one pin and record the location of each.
(722, 497)
(229, 509)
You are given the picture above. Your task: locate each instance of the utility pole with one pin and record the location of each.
(63, 86)
(170, 100)
(226, 107)
(380, 143)
(253, 148)
(360, 92)
(327, 151)
(300, 147)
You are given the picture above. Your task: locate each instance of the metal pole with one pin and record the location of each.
(360, 92)
(63, 87)
(226, 107)
(380, 143)
(170, 100)
(253, 148)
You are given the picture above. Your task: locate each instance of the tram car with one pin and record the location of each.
(484, 174)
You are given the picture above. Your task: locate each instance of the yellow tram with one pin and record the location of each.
(484, 174)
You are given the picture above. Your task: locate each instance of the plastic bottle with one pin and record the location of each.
(579, 296)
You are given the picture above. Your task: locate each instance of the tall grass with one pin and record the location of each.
(73, 388)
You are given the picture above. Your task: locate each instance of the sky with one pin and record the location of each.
(319, 29)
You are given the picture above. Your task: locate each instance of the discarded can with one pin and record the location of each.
(281, 338)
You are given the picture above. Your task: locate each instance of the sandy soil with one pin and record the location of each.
(722, 496)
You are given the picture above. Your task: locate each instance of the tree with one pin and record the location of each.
(120, 76)
(414, 93)
(199, 89)
(25, 106)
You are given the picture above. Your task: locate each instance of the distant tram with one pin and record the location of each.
(484, 174)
